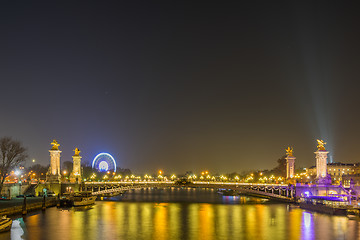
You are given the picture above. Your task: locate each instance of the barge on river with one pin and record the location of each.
(325, 204)
(77, 199)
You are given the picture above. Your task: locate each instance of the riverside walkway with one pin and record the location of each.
(16, 205)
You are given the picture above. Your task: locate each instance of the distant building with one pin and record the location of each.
(354, 177)
(337, 170)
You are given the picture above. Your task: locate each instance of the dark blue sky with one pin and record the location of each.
(180, 86)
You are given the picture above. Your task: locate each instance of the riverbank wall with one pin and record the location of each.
(28, 207)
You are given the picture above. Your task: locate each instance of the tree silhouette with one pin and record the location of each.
(280, 169)
(12, 154)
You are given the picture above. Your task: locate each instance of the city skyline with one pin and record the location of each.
(181, 87)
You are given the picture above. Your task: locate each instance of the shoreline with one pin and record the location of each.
(17, 205)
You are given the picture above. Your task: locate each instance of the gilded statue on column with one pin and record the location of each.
(321, 145)
(289, 151)
(77, 152)
(55, 145)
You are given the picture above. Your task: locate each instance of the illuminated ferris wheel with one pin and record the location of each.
(104, 162)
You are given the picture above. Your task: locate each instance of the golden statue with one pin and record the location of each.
(55, 145)
(77, 152)
(289, 152)
(320, 145)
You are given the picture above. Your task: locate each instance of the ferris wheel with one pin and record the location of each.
(104, 162)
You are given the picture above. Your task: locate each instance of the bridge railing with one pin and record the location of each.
(194, 182)
(124, 182)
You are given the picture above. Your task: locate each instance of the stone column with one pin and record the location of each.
(76, 173)
(55, 162)
(321, 163)
(322, 177)
(55, 174)
(290, 167)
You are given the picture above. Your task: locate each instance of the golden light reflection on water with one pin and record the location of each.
(146, 220)
(157, 221)
(206, 220)
(174, 224)
(161, 221)
(222, 221)
(133, 219)
(193, 223)
(295, 224)
(236, 221)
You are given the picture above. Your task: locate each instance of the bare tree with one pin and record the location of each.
(12, 154)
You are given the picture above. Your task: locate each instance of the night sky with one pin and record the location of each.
(179, 87)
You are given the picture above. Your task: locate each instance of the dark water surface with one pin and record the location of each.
(182, 214)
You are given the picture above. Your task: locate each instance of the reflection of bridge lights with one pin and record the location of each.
(307, 222)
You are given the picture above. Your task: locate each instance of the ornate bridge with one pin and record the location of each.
(282, 192)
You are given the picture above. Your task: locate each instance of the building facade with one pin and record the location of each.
(337, 170)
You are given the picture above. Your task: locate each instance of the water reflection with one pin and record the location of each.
(238, 219)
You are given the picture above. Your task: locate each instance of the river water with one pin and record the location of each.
(181, 214)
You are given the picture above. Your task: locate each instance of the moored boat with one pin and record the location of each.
(324, 204)
(228, 192)
(83, 199)
(5, 223)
